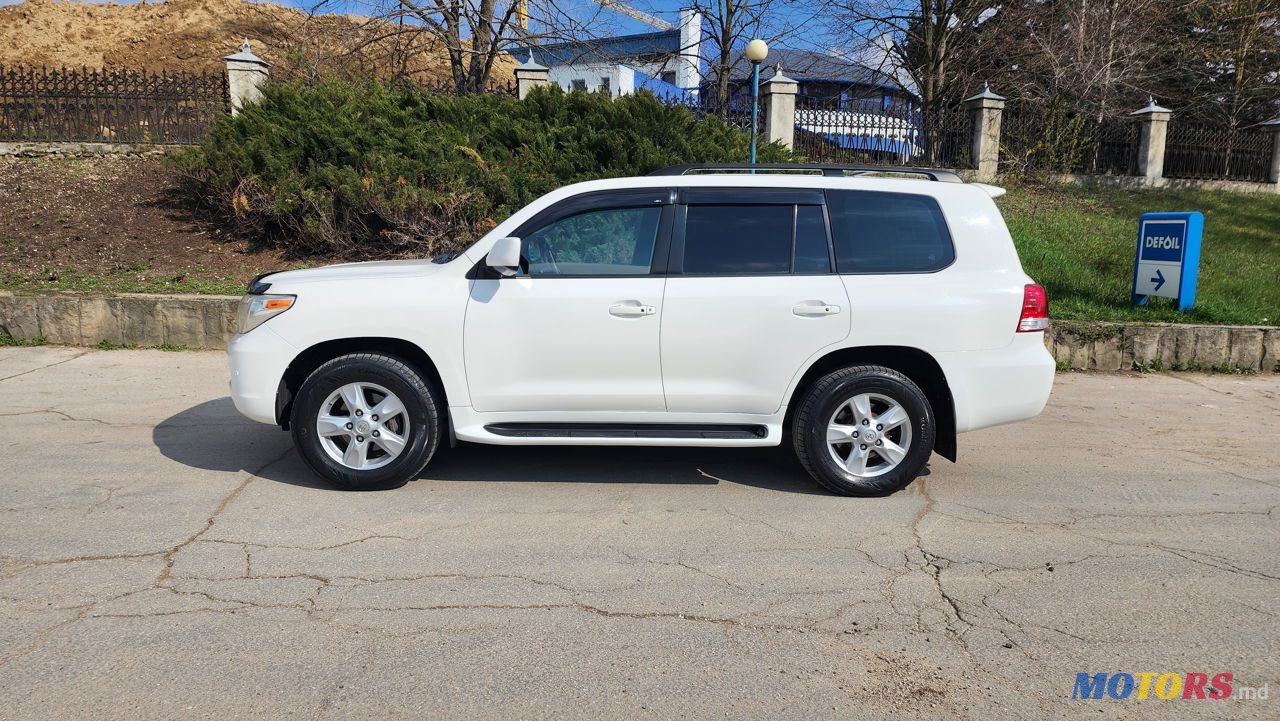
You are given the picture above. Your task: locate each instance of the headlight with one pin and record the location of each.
(257, 309)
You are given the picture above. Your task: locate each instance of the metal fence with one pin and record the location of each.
(1209, 152)
(736, 110)
(1040, 137)
(1111, 147)
(448, 87)
(884, 136)
(116, 106)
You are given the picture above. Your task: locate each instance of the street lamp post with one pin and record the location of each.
(757, 51)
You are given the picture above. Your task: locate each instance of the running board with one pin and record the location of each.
(720, 431)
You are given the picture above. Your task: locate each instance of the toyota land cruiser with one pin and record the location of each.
(863, 317)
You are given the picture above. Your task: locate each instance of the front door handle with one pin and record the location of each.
(631, 309)
(814, 309)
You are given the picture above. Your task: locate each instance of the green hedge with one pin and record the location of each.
(370, 170)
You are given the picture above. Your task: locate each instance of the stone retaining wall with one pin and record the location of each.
(208, 321)
(33, 149)
(1083, 345)
(1133, 182)
(193, 321)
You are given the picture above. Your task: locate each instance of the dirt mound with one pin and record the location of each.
(113, 224)
(194, 35)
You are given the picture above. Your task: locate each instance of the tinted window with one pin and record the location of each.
(738, 239)
(811, 241)
(617, 241)
(888, 232)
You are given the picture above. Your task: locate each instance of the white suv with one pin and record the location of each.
(864, 319)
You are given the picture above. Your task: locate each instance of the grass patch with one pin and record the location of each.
(105, 344)
(127, 280)
(8, 341)
(1084, 333)
(1079, 243)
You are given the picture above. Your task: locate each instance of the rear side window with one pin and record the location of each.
(877, 232)
(812, 255)
(738, 239)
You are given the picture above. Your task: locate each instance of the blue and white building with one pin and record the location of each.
(668, 62)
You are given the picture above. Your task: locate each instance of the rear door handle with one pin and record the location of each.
(814, 309)
(631, 309)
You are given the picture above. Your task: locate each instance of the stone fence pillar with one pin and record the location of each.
(985, 109)
(780, 109)
(1274, 127)
(246, 74)
(1155, 131)
(530, 75)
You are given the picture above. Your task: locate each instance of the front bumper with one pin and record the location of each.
(258, 361)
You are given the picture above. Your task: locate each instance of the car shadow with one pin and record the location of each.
(214, 436)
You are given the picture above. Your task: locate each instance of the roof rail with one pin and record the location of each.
(827, 169)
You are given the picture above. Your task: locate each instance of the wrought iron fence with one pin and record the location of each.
(1020, 126)
(884, 136)
(1111, 149)
(109, 105)
(736, 110)
(1047, 137)
(949, 137)
(1209, 152)
(448, 87)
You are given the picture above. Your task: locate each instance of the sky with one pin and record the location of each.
(605, 22)
(609, 22)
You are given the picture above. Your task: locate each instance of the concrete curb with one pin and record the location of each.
(209, 321)
(192, 321)
(36, 149)
(1091, 345)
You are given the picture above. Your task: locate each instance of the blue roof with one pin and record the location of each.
(806, 65)
(614, 49)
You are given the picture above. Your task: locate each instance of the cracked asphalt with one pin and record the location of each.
(163, 558)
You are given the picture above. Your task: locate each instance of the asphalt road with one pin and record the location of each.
(163, 558)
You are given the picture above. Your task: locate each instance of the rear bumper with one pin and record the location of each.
(1005, 385)
(258, 361)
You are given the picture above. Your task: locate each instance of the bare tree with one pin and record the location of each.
(1096, 55)
(473, 34)
(731, 24)
(919, 38)
(1229, 60)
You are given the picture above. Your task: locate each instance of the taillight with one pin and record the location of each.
(1035, 309)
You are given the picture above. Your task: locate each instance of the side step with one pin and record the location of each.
(629, 430)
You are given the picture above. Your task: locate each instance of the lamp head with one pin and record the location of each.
(757, 50)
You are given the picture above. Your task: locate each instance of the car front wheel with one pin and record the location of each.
(864, 431)
(366, 421)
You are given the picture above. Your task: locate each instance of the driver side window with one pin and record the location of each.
(614, 241)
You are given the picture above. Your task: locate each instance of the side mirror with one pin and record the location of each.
(504, 256)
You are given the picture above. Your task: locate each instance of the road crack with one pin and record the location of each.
(81, 354)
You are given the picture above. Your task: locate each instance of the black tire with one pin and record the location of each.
(821, 401)
(422, 408)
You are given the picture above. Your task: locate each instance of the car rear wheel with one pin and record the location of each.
(863, 431)
(366, 421)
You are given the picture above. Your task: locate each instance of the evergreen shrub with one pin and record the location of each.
(369, 169)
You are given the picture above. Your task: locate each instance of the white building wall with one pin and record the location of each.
(626, 81)
(594, 77)
(689, 64)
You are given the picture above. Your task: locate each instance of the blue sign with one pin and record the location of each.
(1168, 258)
